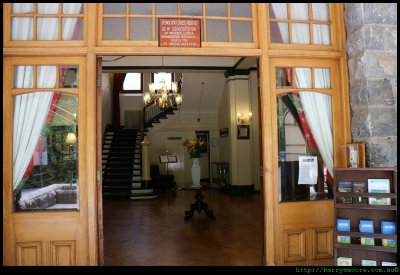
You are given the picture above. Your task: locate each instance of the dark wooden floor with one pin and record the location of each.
(154, 232)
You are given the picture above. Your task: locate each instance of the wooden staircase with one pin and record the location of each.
(122, 167)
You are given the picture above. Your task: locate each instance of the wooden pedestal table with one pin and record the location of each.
(199, 204)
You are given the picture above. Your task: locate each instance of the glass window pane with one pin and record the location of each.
(283, 77)
(278, 10)
(114, 8)
(299, 11)
(133, 82)
(322, 78)
(217, 31)
(114, 28)
(242, 31)
(303, 78)
(72, 8)
(321, 34)
(47, 28)
(140, 29)
(22, 8)
(195, 9)
(241, 10)
(300, 33)
(22, 28)
(141, 8)
(68, 76)
(48, 8)
(46, 77)
(23, 77)
(45, 171)
(72, 29)
(167, 8)
(279, 32)
(320, 11)
(216, 9)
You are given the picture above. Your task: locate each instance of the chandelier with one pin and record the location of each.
(164, 95)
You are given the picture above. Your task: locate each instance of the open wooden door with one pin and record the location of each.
(99, 138)
(47, 210)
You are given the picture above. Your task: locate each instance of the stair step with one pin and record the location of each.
(142, 191)
(144, 197)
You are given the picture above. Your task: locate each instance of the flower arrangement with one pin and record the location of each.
(195, 147)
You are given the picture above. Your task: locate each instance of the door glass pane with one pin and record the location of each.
(300, 33)
(72, 8)
(22, 8)
(299, 11)
(46, 76)
(216, 9)
(321, 34)
(68, 76)
(279, 32)
(305, 147)
(320, 11)
(167, 8)
(114, 28)
(22, 28)
(283, 77)
(322, 78)
(48, 8)
(114, 8)
(195, 9)
(45, 154)
(217, 30)
(242, 31)
(303, 78)
(23, 77)
(72, 28)
(140, 29)
(47, 28)
(141, 8)
(241, 10)
(278, 10)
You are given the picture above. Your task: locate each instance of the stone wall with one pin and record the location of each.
(372, 57)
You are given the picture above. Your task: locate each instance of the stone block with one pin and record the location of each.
(382, 152)
(383, 122)
(353, 13)
(358, 94)
(374, 37)
(378, 65)
(380, 92)
(380, 13)
(390, 37)
(360, 124)
(355, 42)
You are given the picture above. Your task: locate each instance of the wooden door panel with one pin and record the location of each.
(295, 245)
(29, 253)
(63, 253)
(322, 244)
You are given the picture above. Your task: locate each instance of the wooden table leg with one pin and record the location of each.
(199, 205)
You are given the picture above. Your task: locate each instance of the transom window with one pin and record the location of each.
(133, 83)
(46, 21)
(220, 22)
(300, 23)
(306, 78)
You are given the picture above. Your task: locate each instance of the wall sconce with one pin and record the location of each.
(241, 118)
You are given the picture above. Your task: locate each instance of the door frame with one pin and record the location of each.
(163, 52)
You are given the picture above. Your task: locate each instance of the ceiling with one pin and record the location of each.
(197, 99)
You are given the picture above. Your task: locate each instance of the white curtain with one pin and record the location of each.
(47, 27)
(301, 31)
(318, 112)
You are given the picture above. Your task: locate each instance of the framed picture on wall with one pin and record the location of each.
(224, 132)
(203, 135)
(243, 131)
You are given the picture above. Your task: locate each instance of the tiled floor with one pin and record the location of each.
(154, 232)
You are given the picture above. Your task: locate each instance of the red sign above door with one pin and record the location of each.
(179, 33)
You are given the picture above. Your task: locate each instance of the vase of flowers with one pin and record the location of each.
(195, 147)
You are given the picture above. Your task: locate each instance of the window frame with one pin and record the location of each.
(8, 42)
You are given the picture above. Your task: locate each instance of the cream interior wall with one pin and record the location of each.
(171, 133)
(255, 130)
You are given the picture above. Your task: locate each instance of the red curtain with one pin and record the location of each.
(118, 81)
(50, 116)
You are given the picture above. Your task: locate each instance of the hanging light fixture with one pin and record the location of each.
(161, 94)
